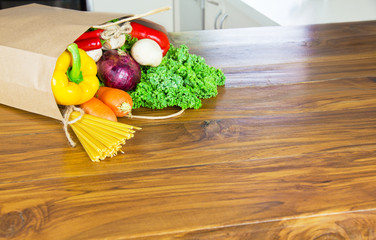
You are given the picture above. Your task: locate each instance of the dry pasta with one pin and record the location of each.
(101, 138)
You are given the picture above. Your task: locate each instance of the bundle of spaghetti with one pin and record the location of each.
(101, 138)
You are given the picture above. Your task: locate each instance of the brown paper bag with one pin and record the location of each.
(31, 39)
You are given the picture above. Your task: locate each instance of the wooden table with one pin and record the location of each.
(286, 151)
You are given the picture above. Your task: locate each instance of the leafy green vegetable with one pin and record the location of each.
(129, 41)
(182, 79)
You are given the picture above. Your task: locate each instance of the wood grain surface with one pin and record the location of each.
(285, 151)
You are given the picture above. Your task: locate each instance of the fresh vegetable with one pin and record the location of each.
(182, 79)
(129, 42)
(118, 100)
(114, 42)
(74, 80)
(95, 54)
(147, 52)
(97, 108)
(118, 70)
(140, 31)
(89, 44)
(90, 40)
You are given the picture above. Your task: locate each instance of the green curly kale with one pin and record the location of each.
(182, 79)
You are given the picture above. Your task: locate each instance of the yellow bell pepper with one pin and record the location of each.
(74, 80)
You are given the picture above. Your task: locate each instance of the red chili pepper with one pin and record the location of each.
(140, 31)
(91, 34)
(90, 40)
(89, 44)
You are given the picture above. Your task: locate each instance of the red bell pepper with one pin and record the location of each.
(140, 31)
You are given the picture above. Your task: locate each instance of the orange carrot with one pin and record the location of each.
(97, 108)
(118, 100)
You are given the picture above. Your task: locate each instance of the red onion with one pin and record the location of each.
(118, 70)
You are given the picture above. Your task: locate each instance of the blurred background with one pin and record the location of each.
(192, 15)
